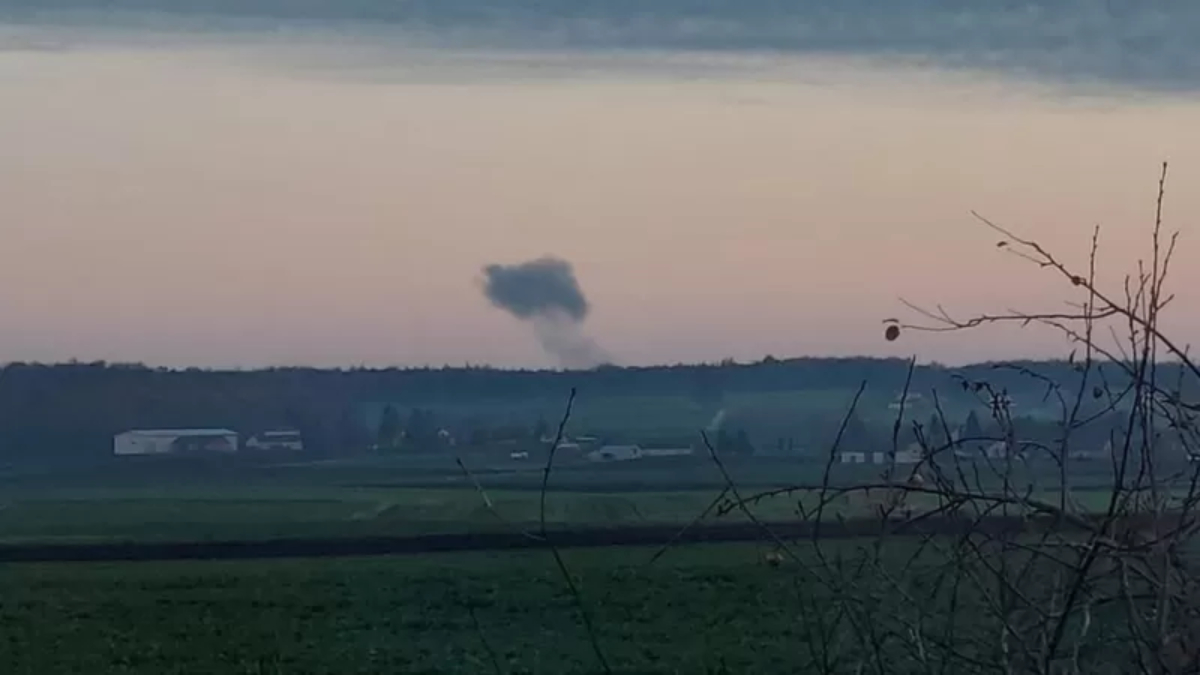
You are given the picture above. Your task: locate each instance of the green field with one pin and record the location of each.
(698, 609)
(694, 611)
(172, 503)
(234, 515)
(160, 502)
(208, 514)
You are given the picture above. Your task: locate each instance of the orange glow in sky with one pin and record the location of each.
(183, 206)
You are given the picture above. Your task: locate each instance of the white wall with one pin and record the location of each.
(139, 444)
(618, 453)
(134, 443)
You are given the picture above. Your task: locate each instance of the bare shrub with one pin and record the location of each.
(1030, 580)
(988, 562)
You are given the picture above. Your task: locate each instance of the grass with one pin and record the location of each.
(207, 514)
(170, 503)
(698, 609)
(694, 611)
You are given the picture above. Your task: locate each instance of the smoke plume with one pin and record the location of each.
(545, 294)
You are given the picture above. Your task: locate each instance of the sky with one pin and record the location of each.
(244, 184)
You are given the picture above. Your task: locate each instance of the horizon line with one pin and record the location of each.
(469, 366)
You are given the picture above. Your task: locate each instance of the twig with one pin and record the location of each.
(684, 530)
(558, 438)
(558, 559)
(732, 487)
(491, 507)
(487, 647)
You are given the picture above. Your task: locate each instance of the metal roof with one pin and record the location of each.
(178, 432)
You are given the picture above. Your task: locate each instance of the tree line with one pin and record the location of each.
(70, 411)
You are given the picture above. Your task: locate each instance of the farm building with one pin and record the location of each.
(283, 439)
(902, 457)
(615, 453)
(571, 443)
(997, 450)
(175, 441)
(667, 452)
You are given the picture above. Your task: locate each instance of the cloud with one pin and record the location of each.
(1131, 44)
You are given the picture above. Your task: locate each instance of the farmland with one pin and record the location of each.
(696, 610)
(201, 502)
(203, 513)
(368, 512)
(699, 608)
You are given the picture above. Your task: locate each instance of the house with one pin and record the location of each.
(904, 400)
(567, 443)
(1084, 455)
(667, 452)
(903, 457)
(175, 441)
(615, 453)
(282, 439)
(997, 450)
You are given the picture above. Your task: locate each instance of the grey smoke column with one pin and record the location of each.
(545, 293)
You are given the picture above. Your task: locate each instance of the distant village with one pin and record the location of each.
(203, 442)
(421, 433)
(580, 448)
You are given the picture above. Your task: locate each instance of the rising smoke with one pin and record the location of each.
(545, 294)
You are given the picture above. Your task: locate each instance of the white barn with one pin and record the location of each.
(615, 453)
(667, 452)
(281, 439)
(175, 441)
(902, 457)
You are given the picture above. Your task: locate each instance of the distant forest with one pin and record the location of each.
(69, 412)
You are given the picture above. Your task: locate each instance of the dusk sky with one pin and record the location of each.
(326, 190)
